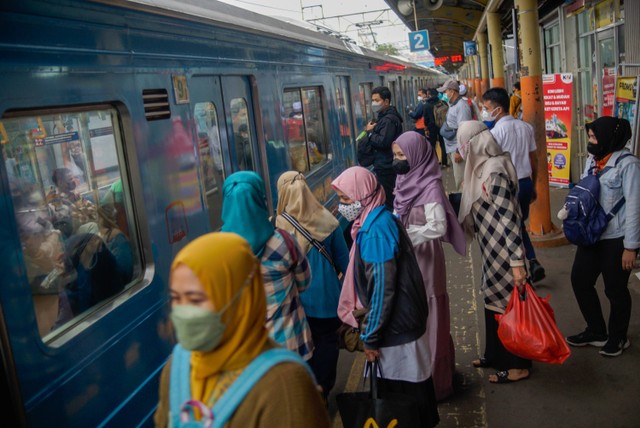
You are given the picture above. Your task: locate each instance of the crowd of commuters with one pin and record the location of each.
(257, 307)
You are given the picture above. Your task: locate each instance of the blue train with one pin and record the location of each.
(119, 122)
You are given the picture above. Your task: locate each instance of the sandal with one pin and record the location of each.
(503, 377)
(481, 363)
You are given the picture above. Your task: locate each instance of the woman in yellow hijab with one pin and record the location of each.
(320, 238)
(224, 351)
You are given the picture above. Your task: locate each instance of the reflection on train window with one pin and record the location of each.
(304, 128)
(242, 138)
(73, 212)
(365, 99)
(344, 111)
(211, 165)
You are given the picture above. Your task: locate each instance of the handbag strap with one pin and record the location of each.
(372, 369)
(317, 244)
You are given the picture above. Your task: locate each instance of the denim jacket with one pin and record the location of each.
(621, 180)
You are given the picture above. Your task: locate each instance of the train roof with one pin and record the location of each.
(228, 16)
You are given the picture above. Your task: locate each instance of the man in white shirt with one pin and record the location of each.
(517, 138)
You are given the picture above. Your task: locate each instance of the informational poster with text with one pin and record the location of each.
(558, 94)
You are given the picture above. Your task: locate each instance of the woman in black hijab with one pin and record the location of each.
(615, 253)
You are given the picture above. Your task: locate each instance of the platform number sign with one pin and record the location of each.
(419, 40)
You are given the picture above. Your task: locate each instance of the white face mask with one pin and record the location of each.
(488, 116)
(376, 106)
(419, 98)
(350, 211)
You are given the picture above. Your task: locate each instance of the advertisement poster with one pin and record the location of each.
(558, 94)
(627, 101)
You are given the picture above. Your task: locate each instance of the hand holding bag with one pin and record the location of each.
(370, 409)
(528, 328)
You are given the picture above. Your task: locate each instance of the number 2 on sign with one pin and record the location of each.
(371, 423)
(419, 39)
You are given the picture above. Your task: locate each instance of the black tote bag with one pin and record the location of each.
(371, 410)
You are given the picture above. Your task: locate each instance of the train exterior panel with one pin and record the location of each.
(141, 110)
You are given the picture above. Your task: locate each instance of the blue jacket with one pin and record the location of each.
(621, 180)
(320, 300)
(388, 282)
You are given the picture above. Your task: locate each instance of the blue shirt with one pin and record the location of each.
(320, 300)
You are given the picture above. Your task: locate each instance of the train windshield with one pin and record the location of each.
(73, 212)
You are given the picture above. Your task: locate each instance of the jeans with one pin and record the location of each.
(604, 257)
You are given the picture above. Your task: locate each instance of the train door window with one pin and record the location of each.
(242, 136)
(365, 100)
(211, 162)
(344, 111)
(73, 210)
(304, 128)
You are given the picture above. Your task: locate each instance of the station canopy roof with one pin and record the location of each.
(451, 22)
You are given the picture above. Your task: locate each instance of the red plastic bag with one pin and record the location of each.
(528, 328)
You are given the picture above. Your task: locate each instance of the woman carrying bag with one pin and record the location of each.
(319, 235)
(489, 209)
(614, 254)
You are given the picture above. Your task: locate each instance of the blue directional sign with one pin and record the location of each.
(419, 41)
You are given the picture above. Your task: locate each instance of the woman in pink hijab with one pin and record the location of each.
(384, 275)
(425, 211)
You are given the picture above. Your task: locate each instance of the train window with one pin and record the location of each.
(211, 165)
(242, 137)
(73, 212)
(344, 111)
(304, 128)
(365, 99)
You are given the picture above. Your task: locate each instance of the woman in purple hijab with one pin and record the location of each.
(424, 210)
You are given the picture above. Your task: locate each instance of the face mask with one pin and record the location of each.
(445, 98)
(350, 211)
(199, 329)
(597, 150)
(487, 118)
(419, 98)
(401, 166)
(376, 106)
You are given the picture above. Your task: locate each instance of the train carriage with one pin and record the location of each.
(119, 122)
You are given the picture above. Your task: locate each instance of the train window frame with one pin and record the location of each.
(89, 139)
(299, 117)
(365, 89)
(248, 141)
(212, 168)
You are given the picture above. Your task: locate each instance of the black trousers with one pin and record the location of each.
(325, 355)
(604, 257)
(494, 350)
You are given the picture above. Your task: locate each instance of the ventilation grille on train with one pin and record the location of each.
(156, 104)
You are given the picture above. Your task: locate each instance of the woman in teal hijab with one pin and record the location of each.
(244, 209)
(285, 269)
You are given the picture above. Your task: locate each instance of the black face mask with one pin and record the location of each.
(401, 166)
(597, 150)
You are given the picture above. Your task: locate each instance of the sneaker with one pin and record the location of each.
(536, 270)
(614, 347)
(587, 338)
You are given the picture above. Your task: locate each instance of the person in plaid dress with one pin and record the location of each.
(489, 211)
(285, 269)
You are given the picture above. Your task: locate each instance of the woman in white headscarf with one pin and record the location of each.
(489, 211)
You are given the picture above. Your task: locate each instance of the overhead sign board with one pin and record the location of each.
(419, 40)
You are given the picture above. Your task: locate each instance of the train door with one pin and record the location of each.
(208, 112)
(240, 123)
(345, 114)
